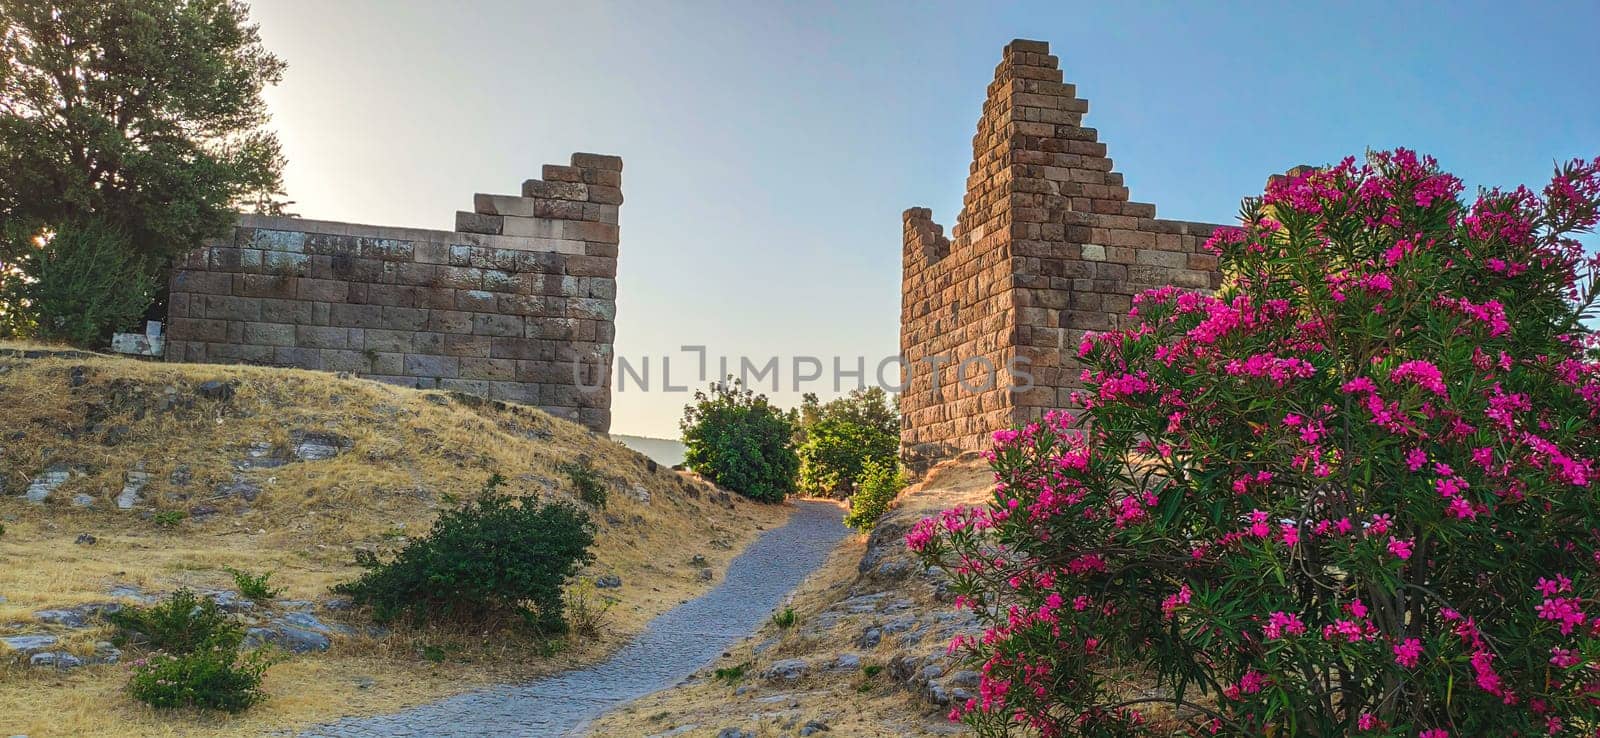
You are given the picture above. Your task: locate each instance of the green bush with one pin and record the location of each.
(182, 624)
(879, 484)
(80, 286)
(214, 678)
(494, 556)
(254, 586)
(586, 481)
(837, 438)
(735, 438)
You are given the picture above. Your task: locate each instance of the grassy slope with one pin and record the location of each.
(413, 453)
(849, 701)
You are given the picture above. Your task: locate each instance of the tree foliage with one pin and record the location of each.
(738, 440)
(1353, 494)
(78, 286)
(145, 115)
(839, 437)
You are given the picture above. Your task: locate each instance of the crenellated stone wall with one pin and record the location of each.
(1047, 246)
(517, 304)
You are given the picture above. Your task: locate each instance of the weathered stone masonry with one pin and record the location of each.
(1047, 246)
(517, 304)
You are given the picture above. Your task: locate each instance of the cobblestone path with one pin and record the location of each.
(673, 646)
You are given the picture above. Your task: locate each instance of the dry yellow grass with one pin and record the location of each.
(412, 454)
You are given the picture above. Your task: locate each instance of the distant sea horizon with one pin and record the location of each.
(664, 451)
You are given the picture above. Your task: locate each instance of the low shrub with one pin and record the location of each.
(879, 484)
(738, 440)
(168, 518)
(586, 482)
(491, 557)
(182, 624)
(587, 609)
(214, 678)
(731, 674)
(83, 284)
(785, 618)
(254, 586)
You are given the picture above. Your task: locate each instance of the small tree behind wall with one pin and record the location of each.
(1352, 494)
(738, 440)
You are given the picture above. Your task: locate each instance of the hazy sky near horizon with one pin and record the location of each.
(770, 148)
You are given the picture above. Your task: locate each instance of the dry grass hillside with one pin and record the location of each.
(865, 655)
(292, 472)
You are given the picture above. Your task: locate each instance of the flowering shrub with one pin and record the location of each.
(215, 677)
(1353, 493)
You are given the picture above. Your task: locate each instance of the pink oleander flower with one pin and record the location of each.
(1281, 624)
(1424, 374)
(1408, 652)
(1400, 547)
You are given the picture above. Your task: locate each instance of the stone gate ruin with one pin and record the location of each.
(518, 303)
(1047, 246)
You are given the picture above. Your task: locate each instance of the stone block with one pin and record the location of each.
(341, 360)
(356, 316)
(518, 392)
(524, 349)
(559, 173)
(522, 207)
(487, 368)
(303, 358)
(533, 227)
(432, 253)
(561, 209)
(228, 307)
(591, 266)
(585, 231)
(212, 283)
(435, 298)
(500, 326)
(327, 337)
(321, 290)
(404, 319)
(450, 321)
(597, 161)
(269, 334)
(442, 367)
(397, 342)
(588, 308)
(477, 301)
(604, 195)
(198, 330)
(466, 345)
(477, 387)
(461, 278)
(600, 213)
(602, 177)
(468, 222)
(575, 191)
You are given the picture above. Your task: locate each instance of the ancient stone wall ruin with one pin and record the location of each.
(1047, 246)
(517, 304)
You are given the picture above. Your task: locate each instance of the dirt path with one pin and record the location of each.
(672, 647)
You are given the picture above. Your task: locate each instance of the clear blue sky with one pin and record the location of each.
(770, 148)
